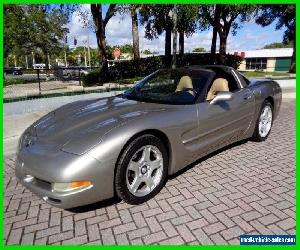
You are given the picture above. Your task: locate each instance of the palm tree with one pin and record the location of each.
(135, 31)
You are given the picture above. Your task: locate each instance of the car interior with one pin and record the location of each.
(223, 81)
(185, 84)
(219, 84)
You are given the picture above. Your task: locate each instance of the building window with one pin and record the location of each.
(256, 63)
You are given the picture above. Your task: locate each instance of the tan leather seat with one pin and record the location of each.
(220, 84)
(185, 83)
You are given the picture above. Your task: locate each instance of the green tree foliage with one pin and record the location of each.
(226, 18)
(157, 19)
(132, 10)
(100, 21)
(147, 52)
(199, 50)
(187, 20)
(278, 45)
(285, 17)
(39, 28)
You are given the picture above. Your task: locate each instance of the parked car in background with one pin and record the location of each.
(13, 70)
(128, 144)
(75, 71)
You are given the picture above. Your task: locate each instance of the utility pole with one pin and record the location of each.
(174, 17)
(15, 61)
(89, 52)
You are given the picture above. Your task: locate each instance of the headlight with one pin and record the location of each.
(71, 186)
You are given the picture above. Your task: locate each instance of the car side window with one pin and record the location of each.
(163, 83)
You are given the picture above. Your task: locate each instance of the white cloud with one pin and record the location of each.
(118, 32)
(80, 31)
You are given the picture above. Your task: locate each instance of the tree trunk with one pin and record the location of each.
(214, 41)
(293, 61)
(174, 19)
(168, 44)
(181, 43)
(222, 50)
(100, 24)
(135, 34)
(174, 48)
(215, 29)
(46, 59)
(96, 11)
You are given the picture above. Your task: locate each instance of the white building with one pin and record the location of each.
(266, 59)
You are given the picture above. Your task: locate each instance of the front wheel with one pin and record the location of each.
(264, 122)
(141, 170)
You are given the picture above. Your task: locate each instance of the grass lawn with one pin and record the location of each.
(263, 74)
(129, 80)
(15, 81)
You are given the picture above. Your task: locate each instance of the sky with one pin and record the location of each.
(118, 32)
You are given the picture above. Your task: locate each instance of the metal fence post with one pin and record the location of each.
(38, 75)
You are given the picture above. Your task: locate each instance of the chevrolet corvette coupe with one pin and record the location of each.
(127, 145)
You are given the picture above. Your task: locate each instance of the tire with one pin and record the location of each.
(134, 174)
(258, 134)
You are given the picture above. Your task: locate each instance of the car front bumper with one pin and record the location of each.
(45, 169)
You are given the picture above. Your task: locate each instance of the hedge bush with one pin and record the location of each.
(144, 66)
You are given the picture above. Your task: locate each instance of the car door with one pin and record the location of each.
(224, 122)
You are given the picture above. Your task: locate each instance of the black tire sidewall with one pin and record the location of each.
(121, 168)
(256, 135)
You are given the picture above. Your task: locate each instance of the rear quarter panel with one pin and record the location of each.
(263, 89)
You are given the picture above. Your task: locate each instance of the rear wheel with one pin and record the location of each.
(264, 122)
(142, 170)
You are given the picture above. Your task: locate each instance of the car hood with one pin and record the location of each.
(79, 126)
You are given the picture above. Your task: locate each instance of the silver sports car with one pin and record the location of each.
(127, 145)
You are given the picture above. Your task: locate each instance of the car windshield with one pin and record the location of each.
(178, 87)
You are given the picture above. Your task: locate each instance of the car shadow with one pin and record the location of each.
(94, 206)
(204, 158)
(116, 200)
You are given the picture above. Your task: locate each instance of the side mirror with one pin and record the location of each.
(222, 96)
